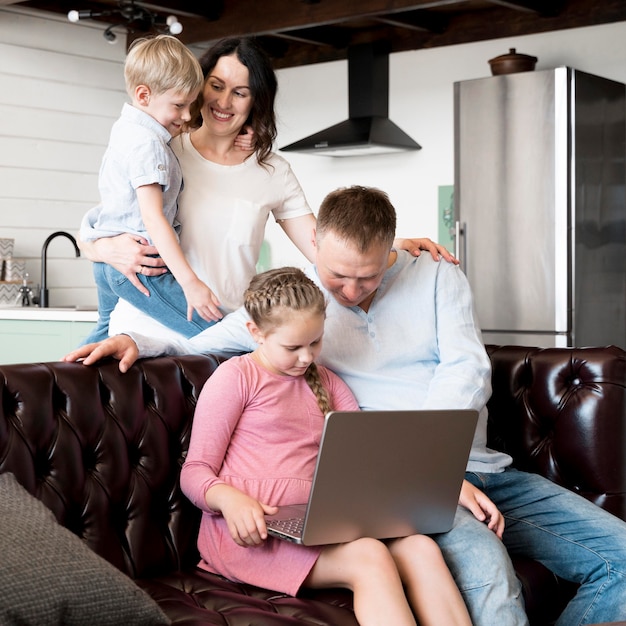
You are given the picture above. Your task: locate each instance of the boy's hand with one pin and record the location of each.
(245, 140)
(203, 300)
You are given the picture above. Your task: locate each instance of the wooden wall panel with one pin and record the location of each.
(62, 89)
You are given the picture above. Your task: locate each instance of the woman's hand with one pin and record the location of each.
(244, 515)
(482, 507)
(415, 247)
(128, 254)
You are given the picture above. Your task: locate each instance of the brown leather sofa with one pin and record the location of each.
(103, 451)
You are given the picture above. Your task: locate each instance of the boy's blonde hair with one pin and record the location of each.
(273, 297)
(162, 63)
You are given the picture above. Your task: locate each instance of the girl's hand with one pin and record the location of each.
(245, 140)
(203, 300)
(482, 507)
(415, 247)
(244, 516)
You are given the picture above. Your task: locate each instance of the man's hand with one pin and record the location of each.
(121, 347)
(482, 507)
(415, 247)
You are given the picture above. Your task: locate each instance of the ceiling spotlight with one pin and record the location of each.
(174, 26)
(74, 16)
(131, 16)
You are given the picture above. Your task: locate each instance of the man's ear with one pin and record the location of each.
(255, 331)
(142, 95)
(314, 238)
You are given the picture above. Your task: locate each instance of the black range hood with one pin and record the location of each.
(368, 129)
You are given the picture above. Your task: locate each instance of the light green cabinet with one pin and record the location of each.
(34, 341)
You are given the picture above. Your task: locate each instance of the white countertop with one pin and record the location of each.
(55, 314)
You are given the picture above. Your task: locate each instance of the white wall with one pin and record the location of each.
(62, 88)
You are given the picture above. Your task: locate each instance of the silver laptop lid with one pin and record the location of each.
(388, 474)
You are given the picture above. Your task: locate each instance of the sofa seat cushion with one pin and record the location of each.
(545, 594)
(49, 576)
(198, 597)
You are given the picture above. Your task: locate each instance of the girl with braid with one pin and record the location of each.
(254, 445)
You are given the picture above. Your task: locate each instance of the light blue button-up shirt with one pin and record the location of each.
(417, 347)
(138, 154)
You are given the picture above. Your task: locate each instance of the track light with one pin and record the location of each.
(109, 35)
(74, 16)
(133, 17)
(174, 26)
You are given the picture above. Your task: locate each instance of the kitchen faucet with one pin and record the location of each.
(43, 293)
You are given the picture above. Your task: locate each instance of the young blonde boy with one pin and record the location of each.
(139, 183)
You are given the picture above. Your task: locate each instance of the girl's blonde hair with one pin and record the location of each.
(162, 63)
(271, 300)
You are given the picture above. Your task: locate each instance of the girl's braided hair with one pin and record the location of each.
(273, 297)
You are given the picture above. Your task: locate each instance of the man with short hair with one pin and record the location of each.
(401, 332)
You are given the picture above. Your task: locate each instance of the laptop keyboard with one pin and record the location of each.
(292, 526)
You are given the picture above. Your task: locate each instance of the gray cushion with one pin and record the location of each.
(49, 576)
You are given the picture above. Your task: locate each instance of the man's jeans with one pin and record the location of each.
(571, 536)
(166, 302)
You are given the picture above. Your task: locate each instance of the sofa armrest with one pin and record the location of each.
(561, 412)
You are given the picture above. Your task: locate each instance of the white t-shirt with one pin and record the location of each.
(223, 210)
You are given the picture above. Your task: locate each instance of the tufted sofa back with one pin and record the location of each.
(103, 451)
(561, 413)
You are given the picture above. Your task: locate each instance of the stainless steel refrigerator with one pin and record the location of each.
(540, 206)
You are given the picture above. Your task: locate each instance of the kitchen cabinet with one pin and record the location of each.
(41, 335)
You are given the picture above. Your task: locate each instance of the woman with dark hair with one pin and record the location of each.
(229, 188)
(263, 86)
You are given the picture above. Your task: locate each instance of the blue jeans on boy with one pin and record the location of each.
(571, 536)
(166, 302)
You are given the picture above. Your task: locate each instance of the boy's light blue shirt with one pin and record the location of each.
(418, 346)
(138, 154)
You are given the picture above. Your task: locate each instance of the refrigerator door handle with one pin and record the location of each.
(460, 242)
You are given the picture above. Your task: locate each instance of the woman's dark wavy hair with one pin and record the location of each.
(263, 87)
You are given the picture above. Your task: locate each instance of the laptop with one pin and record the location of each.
(382, 474)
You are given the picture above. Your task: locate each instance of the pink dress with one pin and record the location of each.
(259, 432)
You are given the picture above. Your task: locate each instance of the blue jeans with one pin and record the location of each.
(572, 537)
(483, 572)
(166, 302)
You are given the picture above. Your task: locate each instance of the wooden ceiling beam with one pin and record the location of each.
(540, 7)
(431, 22)
(327, 36)
(301, 32)
(209, 9)
(467, 27)
(243, 17)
